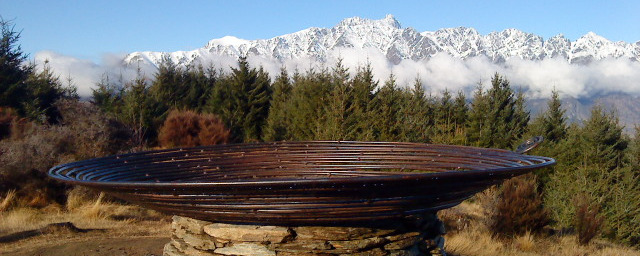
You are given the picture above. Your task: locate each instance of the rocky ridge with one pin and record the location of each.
(397, 43)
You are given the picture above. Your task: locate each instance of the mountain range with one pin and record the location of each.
(398, 43)
(387, 37)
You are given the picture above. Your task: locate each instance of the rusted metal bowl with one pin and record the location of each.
(300, 183)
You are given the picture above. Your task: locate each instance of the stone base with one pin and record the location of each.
(420, 236)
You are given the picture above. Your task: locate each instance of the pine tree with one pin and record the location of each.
(554, 122)
(106, 95)
(444, 123)
(634, 152)
(276, 128)
(199, 84)
(444, 111)
(460, 110)
(604, 143)
(451, 121)
(498, 117)
(140, 111)
(242, 101)
(478, 116)
(520, 121)
(44, 89)
(362, 107)
(167, 85)
(591, 161)
(387, 102)
(13, 74)
(306, 105)
(416, 115)
(336, 121)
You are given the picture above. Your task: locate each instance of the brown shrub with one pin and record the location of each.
(190, 129)
(21, 127)
(24, 163)
(7, 117)
(588, 222)
(96, 134)
(212, 130)
(488, 202)
(454, 219)
(33, 149)
(519, 209)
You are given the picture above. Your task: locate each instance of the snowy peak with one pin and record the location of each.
(388, 21)
(228, 40)
(391, 21)
(592, 47)
(387, 36)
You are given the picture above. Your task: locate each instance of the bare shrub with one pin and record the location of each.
(33, 149)
(488, 202)
(520, 208)
(588, 222)
(96, 134)
(189, 129)
(181, 128)
(212, 130)
(24, 163)
(7, 116)
(454, 219)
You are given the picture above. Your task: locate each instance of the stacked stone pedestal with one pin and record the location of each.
(419, 236)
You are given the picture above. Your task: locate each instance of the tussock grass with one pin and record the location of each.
(95, 210)
(8, 201)
(473, 242)
(525, 242)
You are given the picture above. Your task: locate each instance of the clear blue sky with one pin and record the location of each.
(89, 29)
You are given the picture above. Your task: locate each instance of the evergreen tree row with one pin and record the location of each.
(327, 104)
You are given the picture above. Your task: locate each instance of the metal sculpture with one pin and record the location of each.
(300, 183)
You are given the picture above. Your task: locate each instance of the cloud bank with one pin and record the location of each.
(536, 78)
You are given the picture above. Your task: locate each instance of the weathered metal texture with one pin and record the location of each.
(300, 183)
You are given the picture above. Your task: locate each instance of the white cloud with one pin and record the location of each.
(85, 74)
(439, 73)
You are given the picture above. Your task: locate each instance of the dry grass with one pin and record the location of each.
(473, 242)
(480, 243)
(8, 201)
(525, 242)
(19, 219)
(95, 213)
(476, 240)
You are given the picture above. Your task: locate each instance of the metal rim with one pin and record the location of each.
(522, 162)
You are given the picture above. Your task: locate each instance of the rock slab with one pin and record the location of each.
(404, 238)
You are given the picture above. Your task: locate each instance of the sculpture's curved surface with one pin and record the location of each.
(300, 183)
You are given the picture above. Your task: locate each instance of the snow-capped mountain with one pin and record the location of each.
(397, 44)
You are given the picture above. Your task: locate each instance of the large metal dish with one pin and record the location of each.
(300, 183)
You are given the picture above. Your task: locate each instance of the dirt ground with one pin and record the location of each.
(89, 246)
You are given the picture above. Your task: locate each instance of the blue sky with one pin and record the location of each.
(90, 29)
